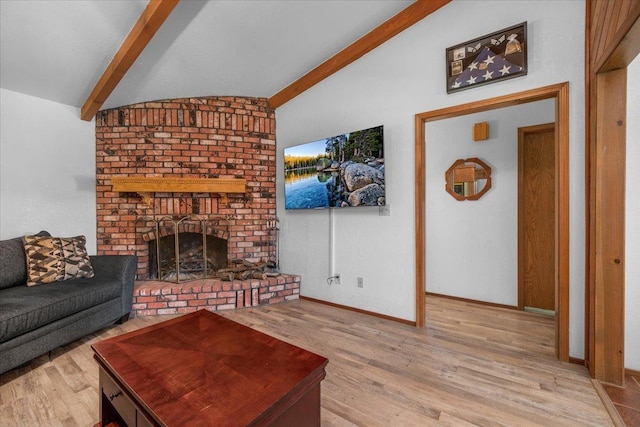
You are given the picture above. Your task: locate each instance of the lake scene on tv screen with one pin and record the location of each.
(338, 172)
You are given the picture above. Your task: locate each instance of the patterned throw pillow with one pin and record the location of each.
(53, 259)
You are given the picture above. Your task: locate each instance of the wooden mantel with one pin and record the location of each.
(144, 186)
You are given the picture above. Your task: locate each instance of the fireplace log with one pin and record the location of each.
(252, 274)
(227, 277)
(230, 270)
(243, 267)
(246, 270)
(250, 264)
(243, 275)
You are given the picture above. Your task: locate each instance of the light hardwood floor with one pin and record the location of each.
(471, 365)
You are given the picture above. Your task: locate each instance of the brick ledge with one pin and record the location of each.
(155, 297)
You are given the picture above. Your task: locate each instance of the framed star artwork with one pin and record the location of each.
(488, 59)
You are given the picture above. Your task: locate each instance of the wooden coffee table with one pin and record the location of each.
(202, 369)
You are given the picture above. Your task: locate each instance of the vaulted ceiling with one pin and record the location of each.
(58, 49)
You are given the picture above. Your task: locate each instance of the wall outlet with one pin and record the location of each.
(333, 280)
(360, 282)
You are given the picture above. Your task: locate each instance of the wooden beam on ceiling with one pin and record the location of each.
(154, 15)
(388, 29)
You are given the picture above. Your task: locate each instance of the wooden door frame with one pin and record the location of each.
(522, 132)
(612, 41)
(558, 91)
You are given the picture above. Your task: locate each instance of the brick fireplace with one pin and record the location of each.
(208, 138)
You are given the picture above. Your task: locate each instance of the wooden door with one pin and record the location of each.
(536, 217)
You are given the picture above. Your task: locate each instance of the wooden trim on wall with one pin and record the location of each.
(588, 169)
(562, 227)
(576, 361)
(472, 301)
(154, 15)
(558, 91)
(358, 310)
(632, 372)
(385, 31)
(419, 198)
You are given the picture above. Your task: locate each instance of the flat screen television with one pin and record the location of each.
(342, 171)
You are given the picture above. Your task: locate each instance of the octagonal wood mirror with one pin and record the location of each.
(468, 179)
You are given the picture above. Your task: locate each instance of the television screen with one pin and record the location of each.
(342, 171)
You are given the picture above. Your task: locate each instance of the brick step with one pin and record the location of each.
(152, 297)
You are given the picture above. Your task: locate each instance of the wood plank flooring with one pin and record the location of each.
(471, 365)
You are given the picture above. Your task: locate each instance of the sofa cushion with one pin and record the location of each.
(13, 267)
(53, 259)
(23, 308)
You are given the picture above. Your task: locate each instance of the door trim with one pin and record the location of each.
(612, 41)
(560, 92)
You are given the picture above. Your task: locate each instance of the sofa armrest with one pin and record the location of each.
(121, 268)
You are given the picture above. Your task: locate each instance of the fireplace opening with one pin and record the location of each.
(184, 248)
(195, 258)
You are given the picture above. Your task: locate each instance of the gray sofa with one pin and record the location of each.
(35, 320)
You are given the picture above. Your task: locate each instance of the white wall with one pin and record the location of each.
(632, 241)
(47, 169)
(388, 86)
(472, 246)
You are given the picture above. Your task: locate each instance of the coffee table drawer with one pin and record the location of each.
(120, 402)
